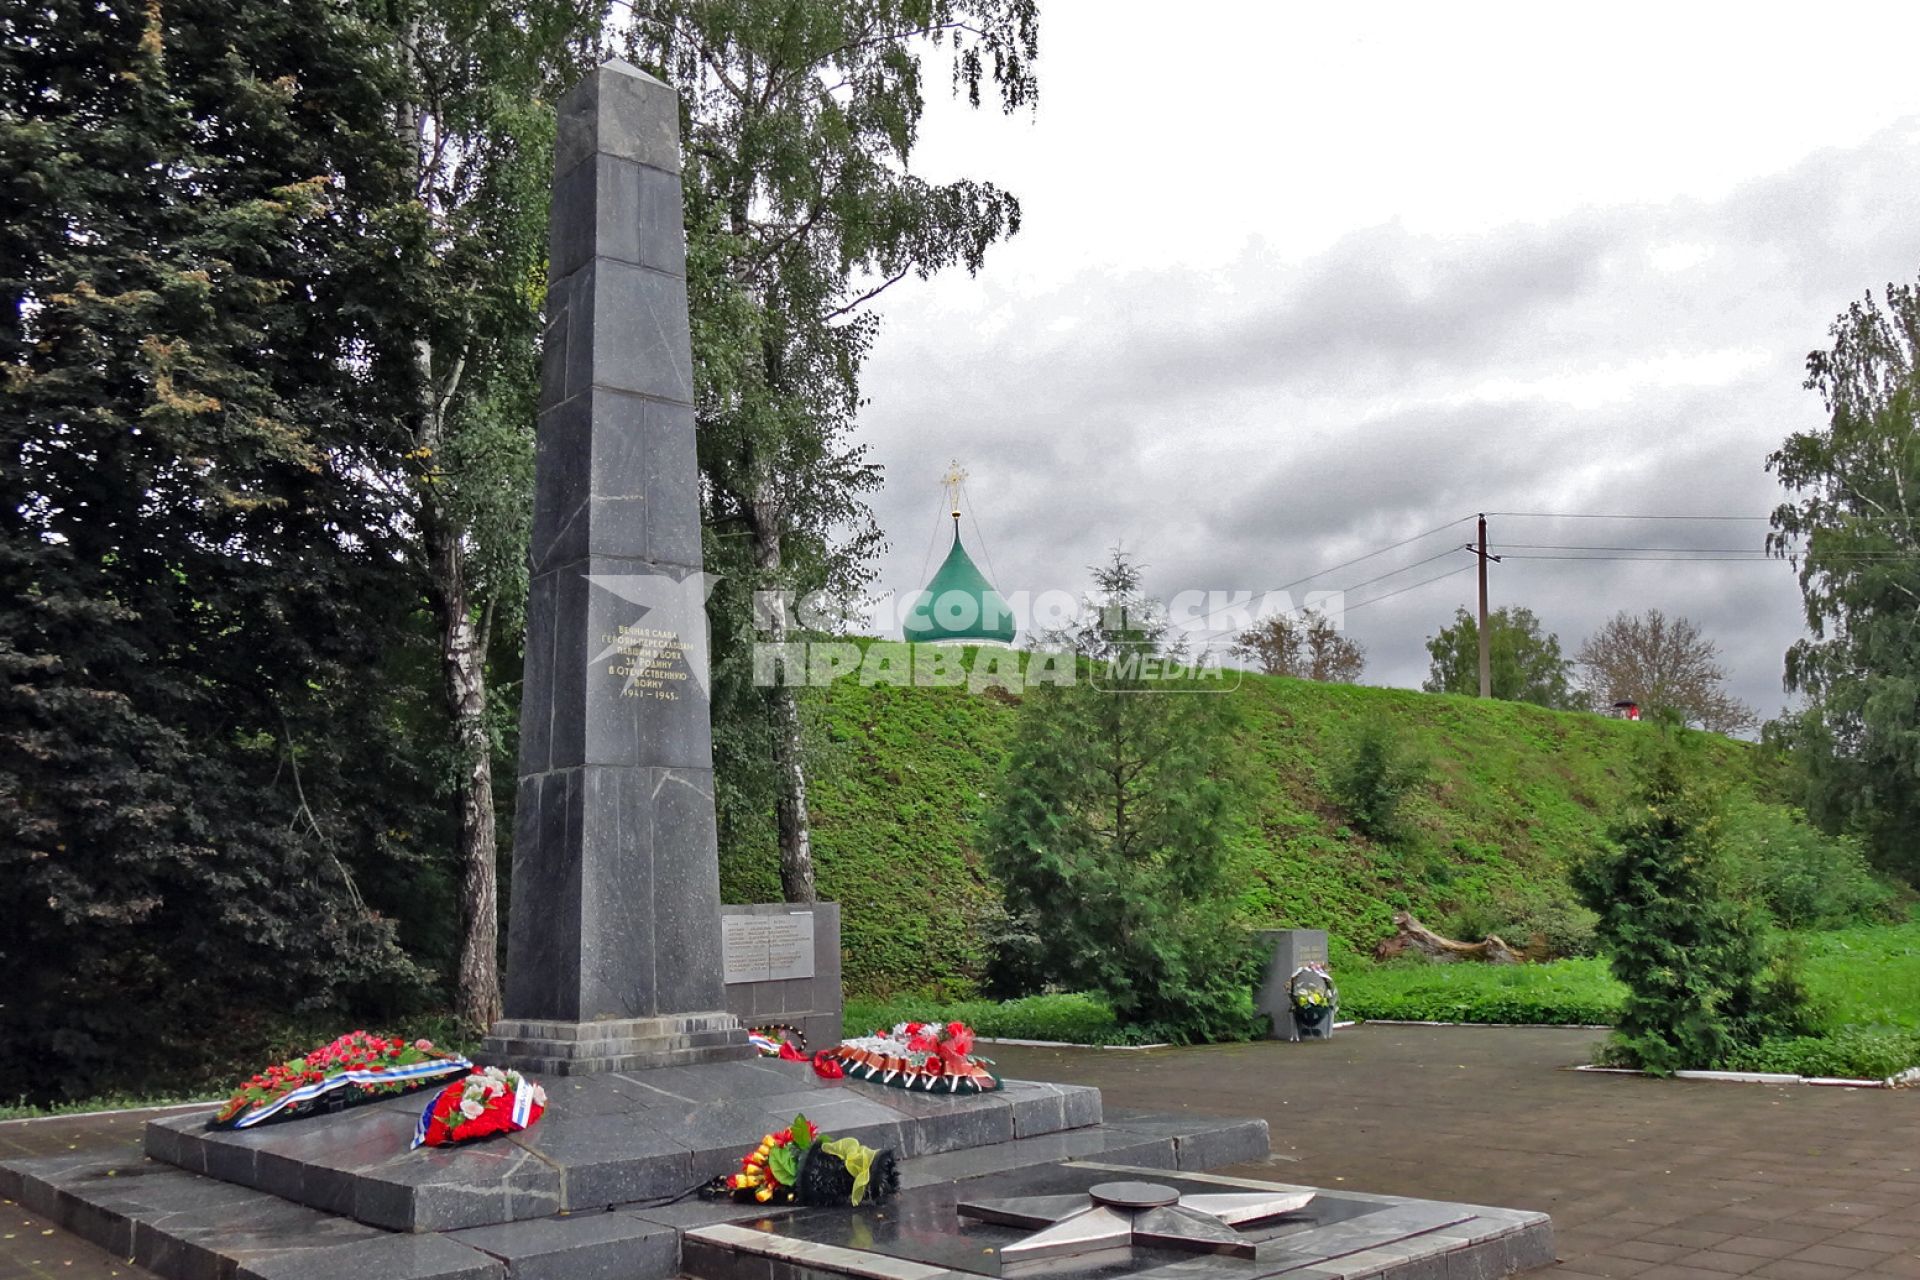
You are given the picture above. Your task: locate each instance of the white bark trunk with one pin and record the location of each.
(790, 805)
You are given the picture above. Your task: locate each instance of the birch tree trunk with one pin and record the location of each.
(463, 639)
(463, 659)
(790, 804)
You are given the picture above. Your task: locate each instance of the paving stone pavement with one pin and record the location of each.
(1646, 1180)
(30, 1247)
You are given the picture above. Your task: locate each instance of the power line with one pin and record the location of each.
(1591, 515)
(1404, 542)
(1575, 546)
(1844, 519)
(1741, 559)
(1345, 564)
(1402, 569)
(1451, 573)
(1755, 557)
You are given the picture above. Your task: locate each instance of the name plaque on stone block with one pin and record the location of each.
(758, 948)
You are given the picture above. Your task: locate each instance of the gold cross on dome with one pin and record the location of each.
(955, 477)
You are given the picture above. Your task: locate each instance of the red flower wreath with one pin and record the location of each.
(485, 1103)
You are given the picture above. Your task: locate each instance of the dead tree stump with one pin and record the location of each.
(1412, 937)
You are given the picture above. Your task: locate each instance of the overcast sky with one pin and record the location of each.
(1296, 282)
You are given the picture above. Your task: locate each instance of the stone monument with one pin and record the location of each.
(613, 939)
(1294, 951)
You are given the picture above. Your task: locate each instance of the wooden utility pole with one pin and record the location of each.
(1486, 651)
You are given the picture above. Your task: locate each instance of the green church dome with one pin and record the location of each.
(959, 604)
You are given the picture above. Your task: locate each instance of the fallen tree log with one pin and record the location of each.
(1413, 938)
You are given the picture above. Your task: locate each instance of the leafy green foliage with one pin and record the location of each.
(904, 778)
(1524, 662)
(1568, 992)
(1541, 920)
(1861, 977)
(1866, 975)
(801, 208)
(1850, 1053)
(1373, 775)
(1806, 878)
(1111, 828)
(1855, 533)
(1694, 958)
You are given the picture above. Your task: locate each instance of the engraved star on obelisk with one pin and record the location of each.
(1116, 1214)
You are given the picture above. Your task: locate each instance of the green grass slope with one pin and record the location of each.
(901, 777)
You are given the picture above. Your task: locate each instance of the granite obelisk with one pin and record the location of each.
(613, 940)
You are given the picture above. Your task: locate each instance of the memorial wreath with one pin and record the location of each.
(1313, 995)
(356, 1068)
(487, 1102)
(931, 1056)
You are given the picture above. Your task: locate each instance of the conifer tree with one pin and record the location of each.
(194, 581)
(1694, 957)
(1112, 827)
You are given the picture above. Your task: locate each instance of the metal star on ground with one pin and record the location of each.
(1118, 1214)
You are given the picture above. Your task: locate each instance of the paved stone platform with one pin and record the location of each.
(186, 1226)
(606, 1140)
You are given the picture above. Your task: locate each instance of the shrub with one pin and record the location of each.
(1852, 1053)
(1806, 878)
(1541, 922)
(1694, 958)
(1016, 955)
(1373, 773)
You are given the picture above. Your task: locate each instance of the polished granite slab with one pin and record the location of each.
(605, 1140)
(921, 1235)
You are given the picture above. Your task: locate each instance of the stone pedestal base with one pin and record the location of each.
(627, 1044)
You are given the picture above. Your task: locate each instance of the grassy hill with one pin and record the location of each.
(902, 776)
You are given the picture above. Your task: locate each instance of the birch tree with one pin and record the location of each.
(1852, 525)
(802, 209)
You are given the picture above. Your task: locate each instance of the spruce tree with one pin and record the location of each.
(195, 579)
(1112, 826)
(1695, 959)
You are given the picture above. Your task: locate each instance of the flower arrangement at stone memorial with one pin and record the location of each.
(931, 1056)
(799, 1165)
(487, 1102)
(358, 1067)
(1313, 996)
(778, 1040)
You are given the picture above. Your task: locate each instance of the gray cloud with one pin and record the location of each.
(1244, 426)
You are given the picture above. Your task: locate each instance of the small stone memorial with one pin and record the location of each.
(781, 966)
(1297, 993)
